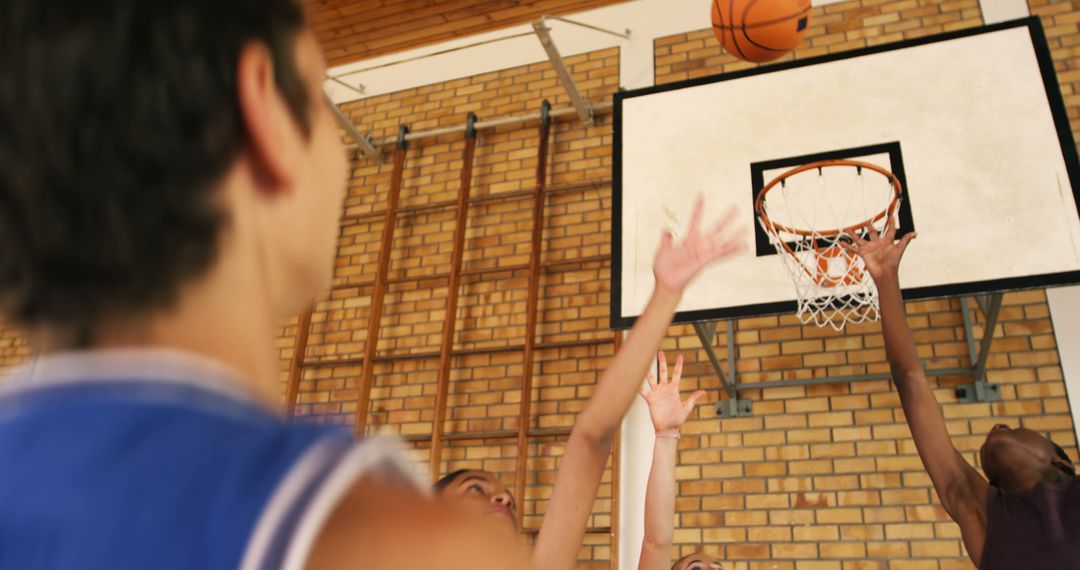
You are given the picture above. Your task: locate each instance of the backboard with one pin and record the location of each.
(971, 122)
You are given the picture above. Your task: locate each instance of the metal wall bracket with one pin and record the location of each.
(470, 126)
(734, 408)
(363, 142)
(580, 103)
(706, 332)
(978, 392)
(979, 353)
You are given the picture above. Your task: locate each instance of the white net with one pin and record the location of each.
(807, 212)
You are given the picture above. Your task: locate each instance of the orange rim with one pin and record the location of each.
(775, 228)
(759, 204)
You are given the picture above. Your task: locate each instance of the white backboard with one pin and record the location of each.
(972, 122)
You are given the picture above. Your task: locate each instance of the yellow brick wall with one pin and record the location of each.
(826, 477)
(485, 387)
(14, 349)
(1061, 18)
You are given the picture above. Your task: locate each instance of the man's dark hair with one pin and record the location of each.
(117, 118)
(448, 479)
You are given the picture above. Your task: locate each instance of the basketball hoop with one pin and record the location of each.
(807, 215)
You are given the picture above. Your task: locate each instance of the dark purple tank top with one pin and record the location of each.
(1039, 530)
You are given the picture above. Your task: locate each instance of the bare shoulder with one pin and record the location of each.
(379, 526)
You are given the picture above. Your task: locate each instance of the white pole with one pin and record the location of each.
(635, 460)
(1065, 313)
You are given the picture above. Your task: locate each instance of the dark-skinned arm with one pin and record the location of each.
(961, 488)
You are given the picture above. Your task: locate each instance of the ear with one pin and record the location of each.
(267, 119)
(1062, 464)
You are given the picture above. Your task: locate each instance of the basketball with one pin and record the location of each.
(760, 30)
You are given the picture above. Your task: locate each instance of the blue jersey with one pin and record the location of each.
(147, 459)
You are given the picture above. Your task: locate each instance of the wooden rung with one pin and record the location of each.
(359, 360)
(481, 271)
(491, 434)
(590, 530)
(483, 199)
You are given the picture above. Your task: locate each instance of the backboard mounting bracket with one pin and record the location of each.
(733, 405)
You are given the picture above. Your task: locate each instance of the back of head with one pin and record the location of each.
(120, 117)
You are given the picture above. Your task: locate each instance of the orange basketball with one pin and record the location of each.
(760, 30)
(836, 267)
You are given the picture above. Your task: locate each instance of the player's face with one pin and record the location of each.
(698, 561)
(1008, 451)
(481, 492)
(309, 228)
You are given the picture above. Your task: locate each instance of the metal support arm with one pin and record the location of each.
(363, 142)
(732, 406)
(581, 105)
(980, 390)
(978, 352)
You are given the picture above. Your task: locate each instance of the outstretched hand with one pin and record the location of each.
(881, 252)
(667, 409)
(676, 265)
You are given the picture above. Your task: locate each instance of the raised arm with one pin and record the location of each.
(589, 446)
(961, 488)
(668, 413)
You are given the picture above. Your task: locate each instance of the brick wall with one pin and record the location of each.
(1061, 18)
(14, 349)
(827, 477)
(485, 386)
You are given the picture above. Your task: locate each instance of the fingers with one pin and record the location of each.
(661, 359)
(695, 219)
(692, 400)
(666, 240)
(726, 249)
(651, 379)
(722, 224)
(870, 234)
(858, 241)
(889, 233)
(643, 393)
(904, 241)
(678, 370)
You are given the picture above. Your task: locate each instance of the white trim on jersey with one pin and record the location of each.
(382, 456)
(135, 365)
(297, 482)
